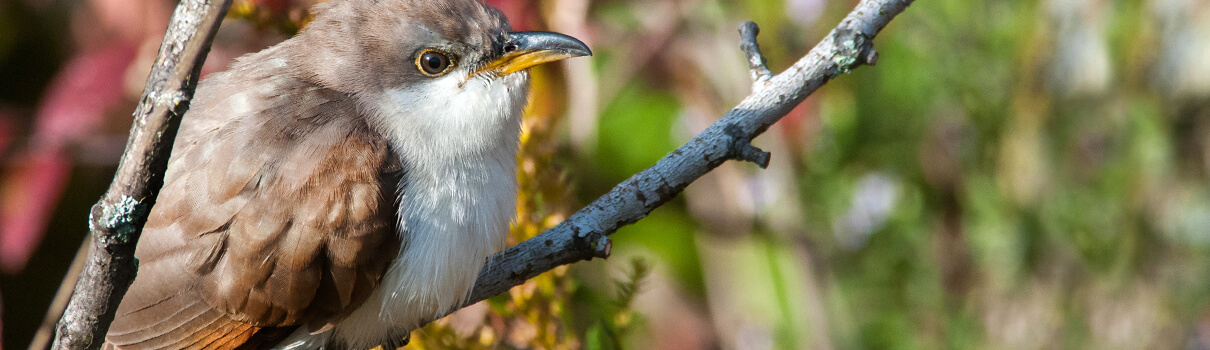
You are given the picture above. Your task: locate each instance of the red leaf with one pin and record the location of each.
(72, 109)
(522, 14)
(28, 196)
(75, 103)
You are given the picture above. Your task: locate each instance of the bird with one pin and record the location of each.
(340, 188)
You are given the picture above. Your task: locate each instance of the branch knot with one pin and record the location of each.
(742, 148)
(598, 244)
(118, 219)
(854, 48)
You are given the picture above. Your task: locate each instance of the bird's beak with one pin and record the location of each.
(528, 49)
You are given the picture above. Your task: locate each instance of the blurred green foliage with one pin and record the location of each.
(1029, 206)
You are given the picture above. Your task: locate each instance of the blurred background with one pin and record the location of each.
(1013, 174)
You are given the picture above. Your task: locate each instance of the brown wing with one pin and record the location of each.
(276, 211)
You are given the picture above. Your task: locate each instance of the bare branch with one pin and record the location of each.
(116, 221)
(46, 332)
(756, 60)
(585, 234)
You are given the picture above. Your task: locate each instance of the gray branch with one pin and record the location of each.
(756, 61)
(585, 235)
(116, 221)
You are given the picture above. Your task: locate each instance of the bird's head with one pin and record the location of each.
(433, 67)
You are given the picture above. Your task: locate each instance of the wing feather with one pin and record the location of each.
(276, 211)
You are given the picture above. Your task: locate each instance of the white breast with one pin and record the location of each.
(458, 142)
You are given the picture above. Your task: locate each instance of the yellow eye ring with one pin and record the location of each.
(434, 63)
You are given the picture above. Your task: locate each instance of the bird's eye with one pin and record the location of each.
(433, 63)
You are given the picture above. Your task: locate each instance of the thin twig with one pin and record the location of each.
(756, 61)
(46, 331)
(116, 221)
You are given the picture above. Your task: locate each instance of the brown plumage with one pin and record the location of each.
(267, 219)
(309, 173)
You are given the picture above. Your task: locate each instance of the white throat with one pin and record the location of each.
(457, 141)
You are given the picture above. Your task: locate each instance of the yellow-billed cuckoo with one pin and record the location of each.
(334, 190)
